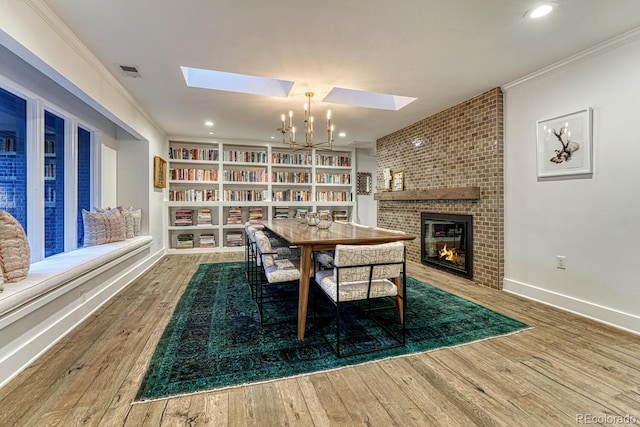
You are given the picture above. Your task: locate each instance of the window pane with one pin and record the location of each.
(84, 179)
(13, 156)
(53, 184)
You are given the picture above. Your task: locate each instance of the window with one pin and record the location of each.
(46, 174)
(84, 180)
(53, 184)
(13, 156)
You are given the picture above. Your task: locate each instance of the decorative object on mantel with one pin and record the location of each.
(386, 174)
(458, 193)
(308, 123)
(363, 183)
(564, 145)
(159, 172)
(398, 180)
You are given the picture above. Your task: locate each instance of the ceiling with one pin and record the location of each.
(440, 51)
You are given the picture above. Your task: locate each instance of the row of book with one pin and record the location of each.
(245, 195)
(192, 174)
(182, 153)
(333, 178)
(333, 160)
(194, 195)
(291, 158)
(245, 176)
(292, 196)
(245, 156)
(333, 196)
(293, 177)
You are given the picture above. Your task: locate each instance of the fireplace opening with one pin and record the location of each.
(447, 242)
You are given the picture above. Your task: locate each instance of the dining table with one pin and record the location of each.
(311, 239)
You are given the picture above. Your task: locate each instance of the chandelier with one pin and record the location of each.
(290, 130)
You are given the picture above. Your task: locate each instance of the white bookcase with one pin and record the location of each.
(227, 182)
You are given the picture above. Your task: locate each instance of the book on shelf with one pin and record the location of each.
(207, 241)
(234, 239)
(340, 215)
(255, 213)
(184, 241)
(204, 217)
(184, 217)
(280, 212)
(234, 216)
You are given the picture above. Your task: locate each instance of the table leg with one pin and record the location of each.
(303, 297)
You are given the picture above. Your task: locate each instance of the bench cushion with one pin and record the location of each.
(53, 272)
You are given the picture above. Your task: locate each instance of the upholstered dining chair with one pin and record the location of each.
(250, 260)
(279, 266)
(367, 273)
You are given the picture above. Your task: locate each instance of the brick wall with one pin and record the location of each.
(464, 147)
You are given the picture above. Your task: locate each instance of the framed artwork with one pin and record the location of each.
(398, 180)
(565, 145)
(159, 172)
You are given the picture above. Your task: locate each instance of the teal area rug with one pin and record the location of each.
(215, 340)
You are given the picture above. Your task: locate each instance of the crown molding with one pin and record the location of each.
(597, 50)
(59, 27)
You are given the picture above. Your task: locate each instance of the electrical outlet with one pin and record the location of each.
(561, 262)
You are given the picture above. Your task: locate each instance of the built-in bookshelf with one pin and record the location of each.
(214, 188)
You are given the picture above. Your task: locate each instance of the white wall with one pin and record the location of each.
(34, 34)
(592, 222)
(367, 206)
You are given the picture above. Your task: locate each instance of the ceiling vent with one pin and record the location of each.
(130, 71)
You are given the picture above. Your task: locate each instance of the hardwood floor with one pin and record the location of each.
(563, 367)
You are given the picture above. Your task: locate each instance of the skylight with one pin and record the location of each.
(220, 80)
(360, 98)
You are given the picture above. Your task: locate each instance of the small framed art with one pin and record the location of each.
(159, 172)
(398, 181)
(565, 145)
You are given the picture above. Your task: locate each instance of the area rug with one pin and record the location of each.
(215, 340)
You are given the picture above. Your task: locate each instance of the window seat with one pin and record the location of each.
(60, 292)
(57, 270)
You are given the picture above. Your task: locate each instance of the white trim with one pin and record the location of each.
(599, 49)
(609, 316)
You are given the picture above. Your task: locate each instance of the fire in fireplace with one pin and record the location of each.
(447, 242)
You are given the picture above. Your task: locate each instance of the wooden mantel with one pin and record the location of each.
(459, 193)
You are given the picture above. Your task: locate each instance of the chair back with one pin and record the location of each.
(388, 259)
(265, 252)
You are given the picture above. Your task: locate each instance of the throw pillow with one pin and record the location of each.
(128, 219)
(116, 226)
(136, 214)
(95, 228)
(15, 255)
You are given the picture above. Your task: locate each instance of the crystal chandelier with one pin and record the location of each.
(289, 129)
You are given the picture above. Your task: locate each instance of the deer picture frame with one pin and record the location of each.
(565, 145)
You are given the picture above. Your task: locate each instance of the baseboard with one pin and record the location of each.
(609, 316)
(43, 328)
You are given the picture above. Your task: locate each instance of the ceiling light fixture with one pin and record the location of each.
(540, 11)
(308, 122)
(208, 123)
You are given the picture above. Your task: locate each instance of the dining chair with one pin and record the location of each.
(366, 274)
(278, 267)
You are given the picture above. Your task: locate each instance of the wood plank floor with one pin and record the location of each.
(565, 368)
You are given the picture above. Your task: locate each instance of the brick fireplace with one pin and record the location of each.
(463, 148)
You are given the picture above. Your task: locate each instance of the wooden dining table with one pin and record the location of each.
(311, 239)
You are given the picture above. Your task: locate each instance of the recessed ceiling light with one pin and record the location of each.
(540, 11)
(208, 123)
(342, 134)
(273, 137)
(210, 132)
